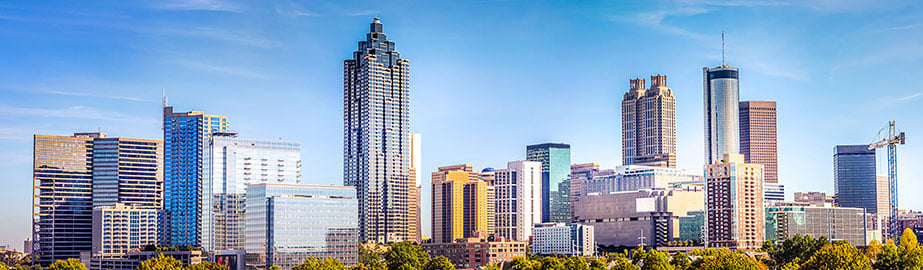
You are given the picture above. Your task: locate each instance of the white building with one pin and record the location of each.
(636, 177)
(557, 238)
(232, 163)
(518, 199)
(119, 228)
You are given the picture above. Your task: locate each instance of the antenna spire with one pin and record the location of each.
(163, 93)
(722, 48)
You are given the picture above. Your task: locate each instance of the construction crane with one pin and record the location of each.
(891, 141)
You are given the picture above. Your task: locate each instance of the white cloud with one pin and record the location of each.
(290, 9)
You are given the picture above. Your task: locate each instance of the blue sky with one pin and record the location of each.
(487, 77)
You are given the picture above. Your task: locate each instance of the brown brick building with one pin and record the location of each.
(476, 252)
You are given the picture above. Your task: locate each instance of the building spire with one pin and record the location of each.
(722, 48)
(163, 93)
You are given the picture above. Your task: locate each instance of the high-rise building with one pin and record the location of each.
(461, 204)
(232, 163)
(734, 204)
(71, 174)
(376, 143)
(883, 192)
(773, 192)
(416, 175)
(555, 159)
(579, 173)
(558, 238)
(855, 181)
(758, 136)
(722, 117)
(649, 124)
(120, 228)
(518, 191)
(287, 223)
(184, 136)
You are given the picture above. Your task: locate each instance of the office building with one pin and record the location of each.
(835, 223)
(722, 117)
(773, 192)
(232, 163)
(883, 195)
(120, 228)
(71, 174)
(635, 177)
(758, 137)
(416, 175)
(580, 173)
(287, 223)
(27, 246)
(518, 203)
(692, 227)
(649, 124)
(818, 199)
(376, 142)
(855, 181)
(477, 252)
(734, 204)
(461, 203)
(132, 260)
(623, 218)
(555, 159)
(184, 135)
(558, 238)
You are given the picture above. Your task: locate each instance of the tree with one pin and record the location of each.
(873, 249)
(207, 265)
(724, 259)
(795, 247)
(551, 263)
(597, 264)
(842, 256)
(405, 256)
(621, 263)
(439, 263)
(275, 267)
(911, 254)
(3, 266)
(370, 257)
(520, 263)
(680, 261)
(320, 264)
(576, 263)
(656, 260)
(161, 262)
(69, 264)
(888, 257)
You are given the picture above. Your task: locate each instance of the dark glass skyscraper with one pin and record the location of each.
(376, 137)
(854, 177)
(184, 136)
(555, 159)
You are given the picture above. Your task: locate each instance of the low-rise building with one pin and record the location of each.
(835, 223)
(132, 260)
(557, 238)
(121, 228)
(815, 199)
(628, 218)
(477, 252)
(692, 227)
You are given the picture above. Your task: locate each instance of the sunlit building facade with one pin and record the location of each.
(649, 124)
(722, 116)
(734, 204)
(518, 201)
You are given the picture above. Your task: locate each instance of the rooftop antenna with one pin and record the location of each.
(722, 48)
(163, 92)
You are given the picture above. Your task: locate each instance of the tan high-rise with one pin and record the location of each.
(734, 204)
(649, 124)
(461, 203)
(758, 136)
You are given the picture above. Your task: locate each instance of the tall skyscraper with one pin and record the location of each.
(758, 136)
(416, 191)
(232, 163)
(376, 142)
(518, 201)
(734, 204)
(72, 174)
(649, 124)
(184, 136)
(855, 181)
(722, 117)
(555, 159)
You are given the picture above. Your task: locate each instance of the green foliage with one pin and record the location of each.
(370, 259)
(724, 259)
(888, 257)
(842, 256)
(3, 266)
(680, 261)
(576, 263)
(597, 264)
(320, 264)
(405, 256)
(656, 260)
(795, 247)
(521, 263)
(207, 265)
(551, 263)
(911, 254)
(275, 267)
(161, 262)
(622, 263)
(439, 263)
(69, 264)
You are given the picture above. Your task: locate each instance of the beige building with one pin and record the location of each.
(416, 177)
(622, 218)
(120, 228)
(883, 195)
(462, 203)
(734, 204)
(818, 199)
(649, 124)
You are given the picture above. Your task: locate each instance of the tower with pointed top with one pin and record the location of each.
(649, 124)
(376, 137)
(722, 119)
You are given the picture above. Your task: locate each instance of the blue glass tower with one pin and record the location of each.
(183, 136)
(555, 159)
(854, 177)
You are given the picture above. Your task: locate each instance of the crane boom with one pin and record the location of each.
(891, 141)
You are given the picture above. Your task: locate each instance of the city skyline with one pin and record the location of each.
(124, 103)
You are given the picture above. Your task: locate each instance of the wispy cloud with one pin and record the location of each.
(73, 112)
(15, 134)
(290, 9)
(236, 71)
(210, 5)
(364, 12)
(238, 37)
(93, 95)
(655, 20)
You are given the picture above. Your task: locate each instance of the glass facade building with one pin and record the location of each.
(232, 163)
(855, 183)
(555, 159)
(184, 135)
(835, 223)
(376, 137)
(722, 123)
(288, 223)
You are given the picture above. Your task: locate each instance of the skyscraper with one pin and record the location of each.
(649, 124)
(518, 199)
(416, 191)
(232, 163)
(461, 203)
(555, 159)
(855, 181)
(722, 115)
(758, 137)
(376, 142)
(184, 136)
(72, 174)
(734, 204)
